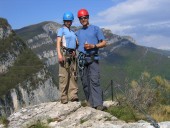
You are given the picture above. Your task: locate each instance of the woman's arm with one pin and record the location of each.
(58, 43)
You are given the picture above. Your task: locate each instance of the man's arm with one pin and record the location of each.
(101, 44)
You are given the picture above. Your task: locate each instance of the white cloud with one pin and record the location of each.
(161, 42)
(118, 28)
(124, 10)
(148, 19)
(132, 11)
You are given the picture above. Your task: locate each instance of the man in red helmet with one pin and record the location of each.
(90, 39)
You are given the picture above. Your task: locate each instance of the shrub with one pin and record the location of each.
(146, 95)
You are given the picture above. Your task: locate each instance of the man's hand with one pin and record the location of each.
(74, 53)
(88, 46)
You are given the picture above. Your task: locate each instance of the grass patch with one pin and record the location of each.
(124, 113)
(4, 121)
(108, 118)
(83, 120)
(161, 113)
(39, 125)
(50, 120)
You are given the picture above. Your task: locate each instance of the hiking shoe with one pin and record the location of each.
(64, 101)
(85, 103)
(74, 100)
(101, 108)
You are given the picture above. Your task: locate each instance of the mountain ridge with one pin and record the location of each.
(124, 50)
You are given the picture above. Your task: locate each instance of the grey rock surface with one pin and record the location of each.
(71, 115)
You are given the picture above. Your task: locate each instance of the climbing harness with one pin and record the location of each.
(70, 61)
(86, 59)
(68, 54)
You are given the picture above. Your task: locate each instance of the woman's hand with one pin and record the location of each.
(61, 59)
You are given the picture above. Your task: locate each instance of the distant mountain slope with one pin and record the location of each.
(126, 60)
(31, 31)
(163, 52)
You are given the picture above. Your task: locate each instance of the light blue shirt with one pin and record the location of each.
(68, 37)
(92, 34)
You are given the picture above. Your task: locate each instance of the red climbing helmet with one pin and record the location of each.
(82, 12)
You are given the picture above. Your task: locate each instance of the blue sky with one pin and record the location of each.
(147, 21)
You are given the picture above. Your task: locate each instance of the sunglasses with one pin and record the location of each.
(84, 18)
(67, 20)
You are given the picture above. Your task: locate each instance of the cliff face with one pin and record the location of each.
(38, 89)
(24, 80)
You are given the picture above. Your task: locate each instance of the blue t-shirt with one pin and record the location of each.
(92, 34)
(68, 37)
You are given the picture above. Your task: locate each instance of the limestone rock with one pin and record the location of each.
(71, 115)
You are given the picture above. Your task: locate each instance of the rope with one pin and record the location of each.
(81, 62)
(105, 92)
(81, 59)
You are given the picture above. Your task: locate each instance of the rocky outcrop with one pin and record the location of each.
(50, 57)
(8, 57)
(5, 29)
(71, 115)
(129, 38)
(43, 46)
(14, 48)
(51, 27)
(110, 37)
(39, 40)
